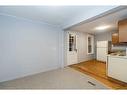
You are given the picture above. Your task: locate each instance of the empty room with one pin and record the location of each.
(63, 47)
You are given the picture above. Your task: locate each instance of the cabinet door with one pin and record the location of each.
(122, 31)
(117, 68)
(115, 38)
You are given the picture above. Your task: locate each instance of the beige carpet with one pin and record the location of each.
(65, 78)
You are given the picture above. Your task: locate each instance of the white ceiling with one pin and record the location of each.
(108, 20)
(55, 15)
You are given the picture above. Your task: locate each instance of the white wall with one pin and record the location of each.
(104, 36)
(28, 47)
(82, 48)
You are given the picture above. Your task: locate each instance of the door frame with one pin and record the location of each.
(66, 33)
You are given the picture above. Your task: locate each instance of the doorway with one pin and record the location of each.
(72, 51)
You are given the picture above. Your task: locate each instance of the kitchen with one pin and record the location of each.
(109, 49)
(117, 53)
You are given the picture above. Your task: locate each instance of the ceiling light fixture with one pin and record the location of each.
(102, 27)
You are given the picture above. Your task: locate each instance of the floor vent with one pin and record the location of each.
(91, 83)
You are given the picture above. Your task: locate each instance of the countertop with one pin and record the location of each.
(118, 56)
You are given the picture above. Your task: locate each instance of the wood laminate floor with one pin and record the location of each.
(97, 70)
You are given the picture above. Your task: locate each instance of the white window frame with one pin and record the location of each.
(92, 44)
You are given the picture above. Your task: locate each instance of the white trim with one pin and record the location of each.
(92, 43)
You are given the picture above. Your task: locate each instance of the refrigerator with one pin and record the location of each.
(102, 50)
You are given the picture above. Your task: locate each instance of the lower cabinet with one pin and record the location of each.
(117, 68)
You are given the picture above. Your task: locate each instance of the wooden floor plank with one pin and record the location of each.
(97, 70)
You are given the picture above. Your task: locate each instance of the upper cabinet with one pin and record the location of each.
(115, 38)
(120, 36)
(122, 28)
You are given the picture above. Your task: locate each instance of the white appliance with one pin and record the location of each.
(102, 50)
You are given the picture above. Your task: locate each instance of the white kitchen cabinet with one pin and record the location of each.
(117, 68)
